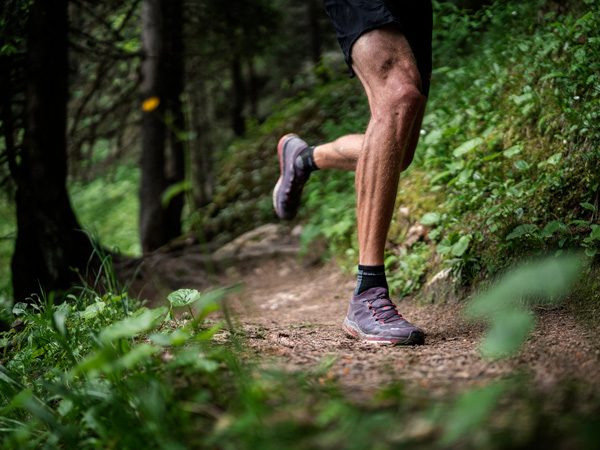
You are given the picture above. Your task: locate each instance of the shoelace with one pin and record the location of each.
(384, 309)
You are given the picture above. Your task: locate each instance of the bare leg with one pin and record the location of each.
(339, 154)
(344, 152)
(386, 67)
(384, 63)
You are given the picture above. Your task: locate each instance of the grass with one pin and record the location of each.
(108, 207)
(105, 372)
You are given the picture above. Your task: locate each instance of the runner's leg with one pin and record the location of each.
(339, 154)
(384, 63)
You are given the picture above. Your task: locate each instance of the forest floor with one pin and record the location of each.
(291, 314)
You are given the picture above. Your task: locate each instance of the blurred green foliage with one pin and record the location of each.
(108, 207)
(8, 235)
(102, 371)
(500, 136)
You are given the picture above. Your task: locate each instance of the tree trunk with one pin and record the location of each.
(315, 34)
(162, 71)
(238, 102)
(49, 242)
(202, 147)
(175, 133)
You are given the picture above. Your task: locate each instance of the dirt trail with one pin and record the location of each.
(292, 314)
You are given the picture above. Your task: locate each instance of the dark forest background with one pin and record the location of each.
(136, 128)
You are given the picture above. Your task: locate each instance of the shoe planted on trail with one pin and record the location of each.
(372, 316)
(288, 190)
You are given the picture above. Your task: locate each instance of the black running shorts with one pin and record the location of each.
(353, 18)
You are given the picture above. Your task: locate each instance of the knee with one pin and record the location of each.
(399, 102)
(404, 100)
(397, 113)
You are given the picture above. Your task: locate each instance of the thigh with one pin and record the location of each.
(385, 63)
(354, 18)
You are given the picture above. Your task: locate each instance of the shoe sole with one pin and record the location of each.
(278, 185)
(415, 337)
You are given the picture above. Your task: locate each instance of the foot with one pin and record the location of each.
(372, 316)
(287, 192)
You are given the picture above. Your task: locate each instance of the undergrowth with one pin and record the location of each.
(103, 371)
(506, 166)
(516, 151)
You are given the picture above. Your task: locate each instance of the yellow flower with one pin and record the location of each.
(150, 104)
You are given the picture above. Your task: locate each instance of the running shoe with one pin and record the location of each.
(372, 316)
(287, 192)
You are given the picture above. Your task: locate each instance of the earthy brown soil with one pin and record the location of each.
(292, 316)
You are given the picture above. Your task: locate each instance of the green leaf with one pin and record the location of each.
(512, 151)
(492, 156)
(60, 320)
(429, 219)
(521, 230)
(441, 176)
(461, 246)
(176, 338)
(591, 251)
(7, 377)
(117, 298)
(19, 308)
(93, 310)
(495, 208)
(581, 20)
(183, 297)
(509, 330)
(524, 98)
(107, 360)
(96, 363)
(193, 358)
(65, 407)
(132, 326)
(522, 165)
(595, 234)
(589, 206)
(470, 411)
(580, 223)
(465, 176)
(444, 247)
(554, 159)
(467, 147)
(208, 302)
(135, 356)
(553, 226)
(433, 137)
(540, 280)
(553, 75)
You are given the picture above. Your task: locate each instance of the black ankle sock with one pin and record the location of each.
(370, 276)
(305, 160)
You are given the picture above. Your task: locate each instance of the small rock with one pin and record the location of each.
(415, 234)
(296, 231)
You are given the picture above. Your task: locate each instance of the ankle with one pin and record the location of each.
(305, 160)
(370, 277)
